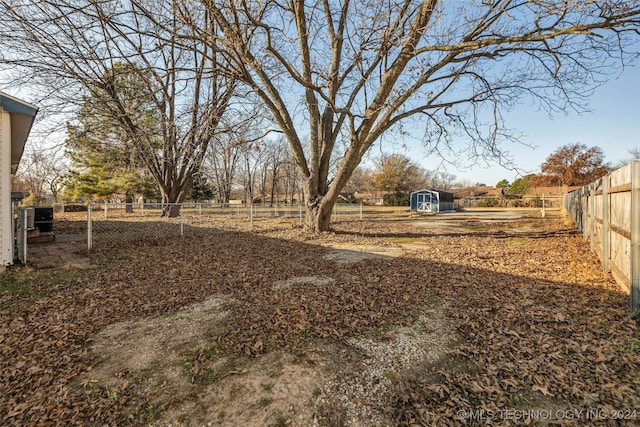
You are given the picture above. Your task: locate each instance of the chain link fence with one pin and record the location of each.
(114, 224)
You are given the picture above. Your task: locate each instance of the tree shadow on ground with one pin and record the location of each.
(536, 318)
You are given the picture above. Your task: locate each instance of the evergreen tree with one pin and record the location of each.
(201, 189)
(521, 185)
(103, 160)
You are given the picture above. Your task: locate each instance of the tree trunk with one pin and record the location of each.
(171, 210)
(128, 202)
(171, 204)
(318, 216)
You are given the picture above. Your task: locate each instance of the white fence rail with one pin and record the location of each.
(607, 212)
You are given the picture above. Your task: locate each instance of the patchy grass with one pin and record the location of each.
(404, 239)
(150, 412)
(268, 387)
(21, 286)
(265, 401)
(17, 283)
(146, 373)
(206, 376)
(184, 419)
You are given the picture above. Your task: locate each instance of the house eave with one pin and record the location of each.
(22, 117)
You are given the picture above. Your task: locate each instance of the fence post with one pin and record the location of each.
(23, 236)
(360, 210)
(635, 239)
(592, 219)
(585, 212)
(105, 211)
(181, 220)
(89, 228)
(605, 222)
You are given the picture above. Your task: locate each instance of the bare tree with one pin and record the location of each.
(290, 180)
(253, 160)
(77, 48)
(440, 180)
(360, 180)
(42, 172)
(356, 70)
(222, 164)
(263, 175)
(634, 154)
(275, 159)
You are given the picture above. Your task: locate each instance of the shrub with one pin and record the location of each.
(396, 201)
(489, 203)
(75, 207)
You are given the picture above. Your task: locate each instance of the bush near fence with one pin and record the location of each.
(74, 207)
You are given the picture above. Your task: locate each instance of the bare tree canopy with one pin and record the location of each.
(344, 73)
(337, 76)
(41, 173)
(634, 154)
(79, 49)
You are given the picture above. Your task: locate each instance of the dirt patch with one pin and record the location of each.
(361, 394)
(137, 345)
(274, 389)
(177, 360)
(351, 382)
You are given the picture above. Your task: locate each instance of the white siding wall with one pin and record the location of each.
(6, 243)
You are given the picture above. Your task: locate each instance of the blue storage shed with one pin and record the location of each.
(431, 201)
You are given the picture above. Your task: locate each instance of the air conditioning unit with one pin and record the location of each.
(31, 218)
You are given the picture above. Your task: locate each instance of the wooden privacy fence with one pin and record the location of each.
(607, 212)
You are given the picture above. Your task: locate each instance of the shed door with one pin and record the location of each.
(424, 202)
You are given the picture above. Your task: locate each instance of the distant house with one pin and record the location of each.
(476, 196)
(549, 197)
(16, 119)
(484, 196)
(550, 191)
(346, 197)
(431, 201)
(374, 198)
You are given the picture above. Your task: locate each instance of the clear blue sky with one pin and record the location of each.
(613, 125)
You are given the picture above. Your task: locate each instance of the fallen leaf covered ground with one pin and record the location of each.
(538, 325)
